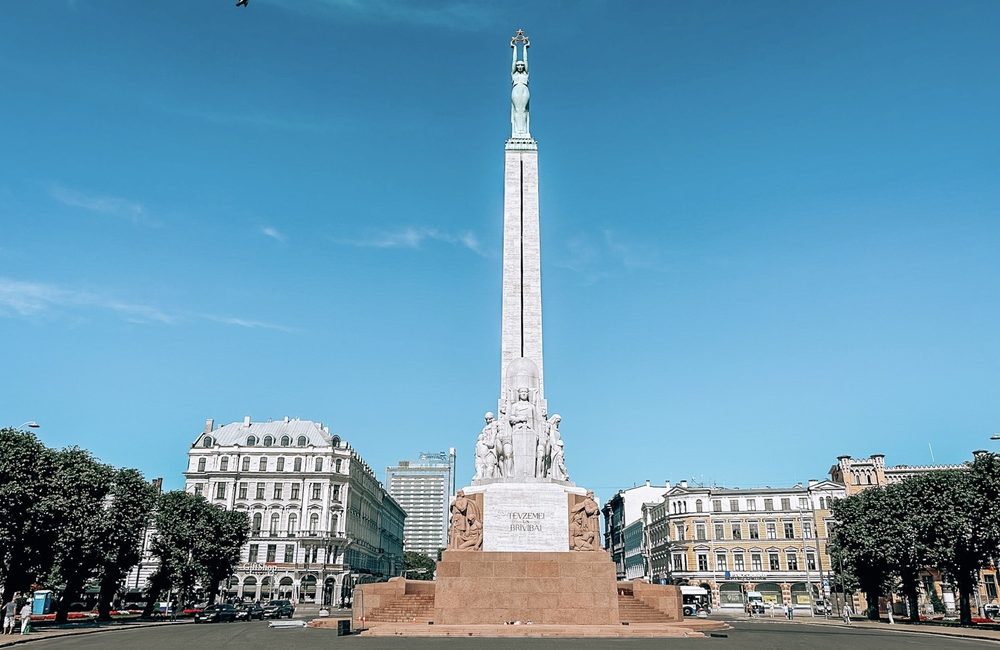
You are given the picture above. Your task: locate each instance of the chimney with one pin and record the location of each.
(158, 483)
(286, 419)
(682, 484)
(812, 482)
(667, 483)
(246, 422)
(647, 482)
(209, 423)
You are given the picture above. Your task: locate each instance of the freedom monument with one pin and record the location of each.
(524, 540)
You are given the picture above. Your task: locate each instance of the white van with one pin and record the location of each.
(755, 600)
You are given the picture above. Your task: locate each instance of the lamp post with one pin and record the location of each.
(995, 436)
(31, 424)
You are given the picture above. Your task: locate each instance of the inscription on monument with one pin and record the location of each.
(525, 517)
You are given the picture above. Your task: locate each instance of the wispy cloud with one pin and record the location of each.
(20, 298)
(414, 237)
(465, 15)
(599, 256)
(273, 233)
(113, 206)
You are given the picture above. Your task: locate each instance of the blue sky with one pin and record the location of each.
(770, 230)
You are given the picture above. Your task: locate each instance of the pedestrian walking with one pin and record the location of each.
(9, 611)
(26, 617)
(770, 609)
(791, 612)
(173, 609)
(847, 613)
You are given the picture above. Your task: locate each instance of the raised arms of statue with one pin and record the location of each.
(519, 37)
(519, 95)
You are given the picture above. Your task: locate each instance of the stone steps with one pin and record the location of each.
(411, 608)
(631, 610)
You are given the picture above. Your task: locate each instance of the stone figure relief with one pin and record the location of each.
(486, 450)
(557, 460)
(584, 525)
(466, 530)
(519, 94)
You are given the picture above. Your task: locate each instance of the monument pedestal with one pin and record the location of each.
(495, 587)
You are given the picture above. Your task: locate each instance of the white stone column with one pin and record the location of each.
(521, 329)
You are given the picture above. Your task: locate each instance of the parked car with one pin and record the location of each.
(992, 611)
(279, 608)
(822, 607)
(216, 614)
(249, 611)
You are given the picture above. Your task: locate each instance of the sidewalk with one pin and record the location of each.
(901, 625)
(54, 632)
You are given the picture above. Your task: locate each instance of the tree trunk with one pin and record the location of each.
(156, 586)
(73, 588)
(872, 601)
(109, 587)
(910, 588)
(965, 588)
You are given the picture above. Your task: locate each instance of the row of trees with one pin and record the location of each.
(68, 521)
(947, 520)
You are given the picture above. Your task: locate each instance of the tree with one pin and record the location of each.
(25, 542)
(862, 541)
(124, 525)
(74, 510)
(418, 566)
(224, 534)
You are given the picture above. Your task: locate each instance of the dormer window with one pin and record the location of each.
(251, 441)
(207, 442)
(286, 441)
(303, 441)
(268, 441)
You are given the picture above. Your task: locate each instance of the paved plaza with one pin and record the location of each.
(759, 635)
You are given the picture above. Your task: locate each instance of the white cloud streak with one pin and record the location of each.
(113, 206)
(273, 233)
(26, 299)
(414, 237)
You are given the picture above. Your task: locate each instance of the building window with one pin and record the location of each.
(258, 520)
(336, 493)
(771, 530)
(774, 563)
(295, 491)
(698, 507)
(298, 464)
(316, 491)
(720, 531)
(702, 562)
(289, 553)
(990, 581)
(286, 441)
(680, 532)
(793, 561)
(245, 464)
(768, 504)
(252, 556)
(734, 505)
(754, 530)
(220, 490)
(262, 465)
(201, 464)
(272, 552)
(224, 464)
(260, 491)
(243, 491)
(198, 489)
(302, 441)
(699, 531)
(679, 564)
(335, 524)
(293, 522)
(277, 491)
(810, 560)
(737, 531)
(751, 504)
(313, 522)
(251, 441)
(281, 465)
(738, 562)
(807, 529)
(755, 564)
(789, 530)
(339, 465)
(803, 503)
(207, 442)
(786, 504)
(268, 441)
(319, 465)
(716, 505)
(275, 524)
(720, 562)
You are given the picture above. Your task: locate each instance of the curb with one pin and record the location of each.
(78, 632)
(903, 629)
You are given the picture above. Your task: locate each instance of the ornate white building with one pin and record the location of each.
(320, 520)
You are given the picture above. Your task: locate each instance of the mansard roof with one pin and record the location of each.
(239, 433)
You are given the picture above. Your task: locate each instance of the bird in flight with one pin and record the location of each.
(241, 3)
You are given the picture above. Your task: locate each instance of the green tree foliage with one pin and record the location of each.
(418, 566)
(862, 541)
(124, 523)
(194, 542)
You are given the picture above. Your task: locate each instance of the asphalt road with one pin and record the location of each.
(251, 636)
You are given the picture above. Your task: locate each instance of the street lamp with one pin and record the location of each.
(31, 424)
(995, 436)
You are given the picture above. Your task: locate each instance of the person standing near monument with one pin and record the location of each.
(9, 612)
(26, 617)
